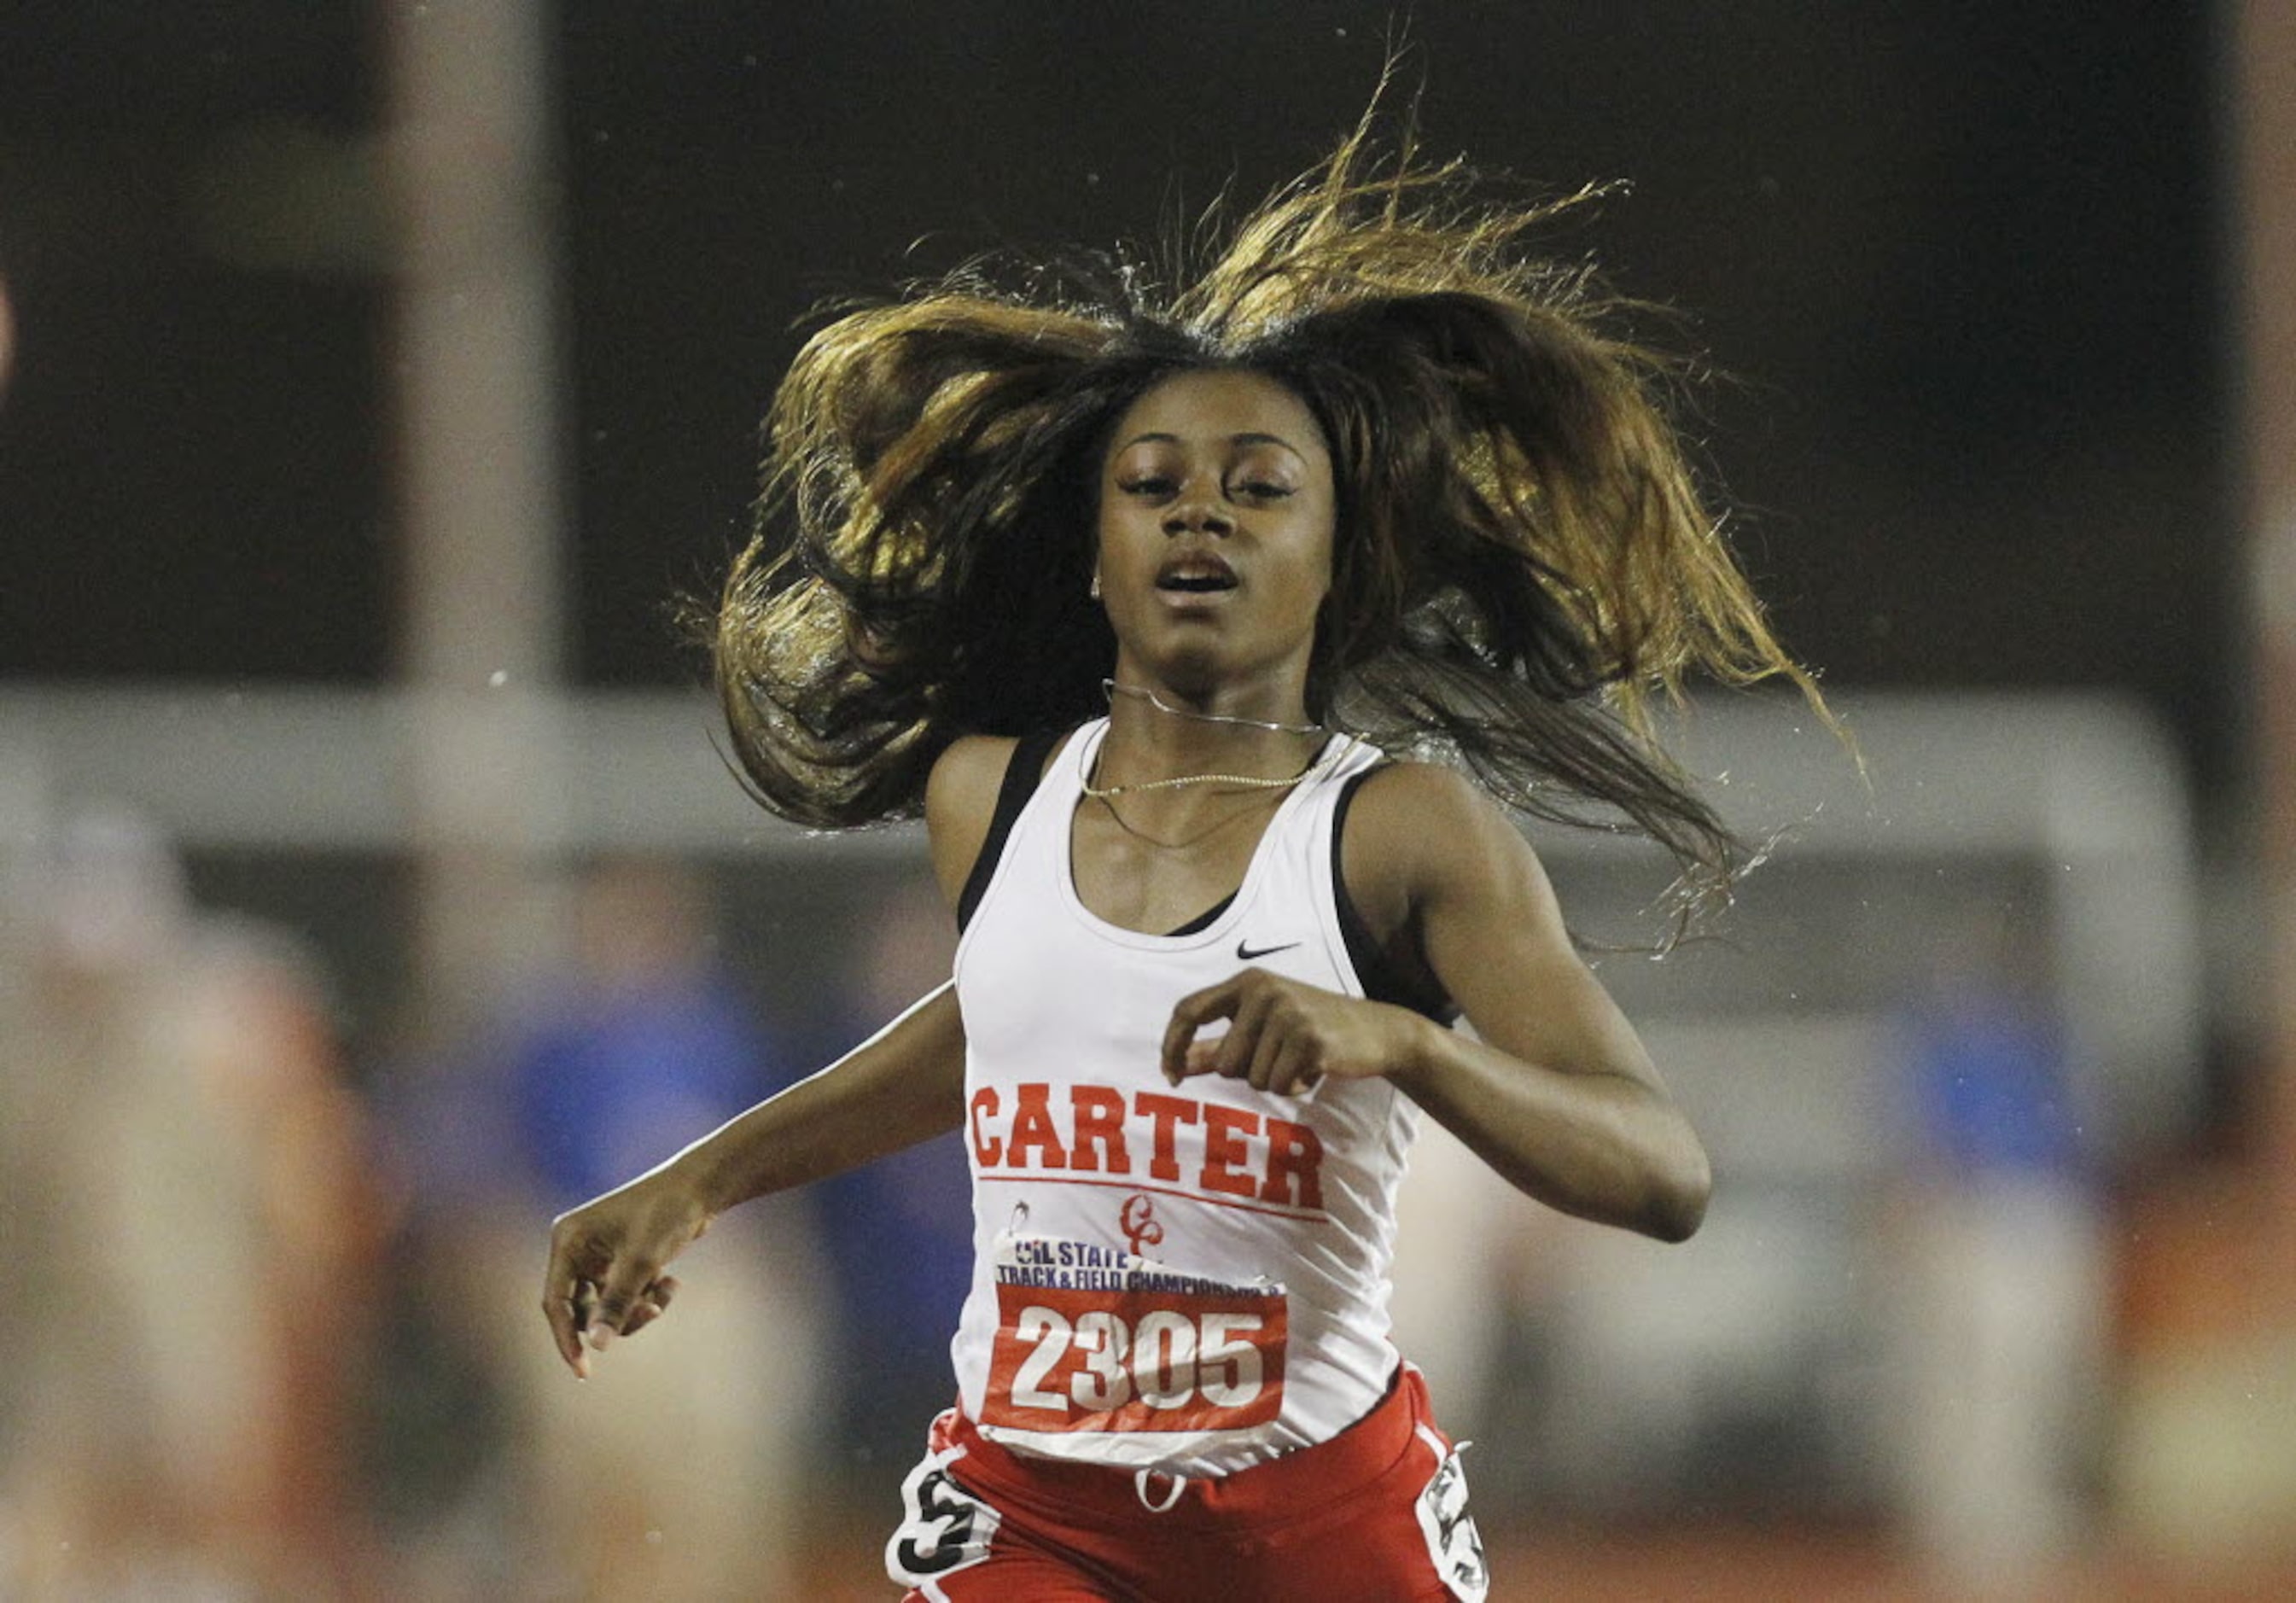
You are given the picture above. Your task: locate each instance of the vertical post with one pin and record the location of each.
(2265, 57)
(2205, 1458)
(480, 485)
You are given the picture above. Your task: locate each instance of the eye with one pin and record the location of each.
(1261, 489)
(1146, 484)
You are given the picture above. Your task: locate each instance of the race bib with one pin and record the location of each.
(1091, 1338)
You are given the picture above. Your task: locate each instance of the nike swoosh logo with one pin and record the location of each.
(1245, 953)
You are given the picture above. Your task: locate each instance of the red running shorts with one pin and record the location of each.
(1378, 1513)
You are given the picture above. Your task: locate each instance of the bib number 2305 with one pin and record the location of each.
(1068, 1360)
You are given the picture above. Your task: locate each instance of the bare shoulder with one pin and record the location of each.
(960, 800)
(1417, 832)
(1423, 815)
(965, 777)
(1401, 786)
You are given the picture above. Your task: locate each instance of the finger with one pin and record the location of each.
(1191, 1014)
(1241, 1045)
(1289, 1075)
(560, 1288)
(650, 1305)
(1203, 1058)
(618, 1292)
(1276, 1043)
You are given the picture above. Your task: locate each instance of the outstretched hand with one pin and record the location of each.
(1285, 1035)
(605, 1275)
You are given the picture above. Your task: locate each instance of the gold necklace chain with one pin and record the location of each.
(1111, 689)
(1241, 781)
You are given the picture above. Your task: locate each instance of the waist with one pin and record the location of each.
(1325, 1471)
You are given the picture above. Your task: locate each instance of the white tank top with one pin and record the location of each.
(1193, 1278)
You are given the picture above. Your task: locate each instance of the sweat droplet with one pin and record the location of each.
(498, 678)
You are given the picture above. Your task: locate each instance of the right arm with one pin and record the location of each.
(906, 1085)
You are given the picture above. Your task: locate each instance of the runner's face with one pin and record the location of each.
(1215, 528)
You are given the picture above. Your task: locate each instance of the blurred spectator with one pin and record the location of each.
(1999, 1325)
(677, 1471)
(191, 1238)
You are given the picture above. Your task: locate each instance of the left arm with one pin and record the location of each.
(1558, 1094)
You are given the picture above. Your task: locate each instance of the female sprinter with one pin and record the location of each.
(1214, 634)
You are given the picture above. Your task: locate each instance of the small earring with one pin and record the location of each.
(1096, 584)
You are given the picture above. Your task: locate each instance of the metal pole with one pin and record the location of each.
(2265, 52)
(480, 487)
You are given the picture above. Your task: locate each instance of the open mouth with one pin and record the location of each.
(1196, 575)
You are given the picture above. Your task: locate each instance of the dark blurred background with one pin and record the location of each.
(375, 377)
(1959, 262)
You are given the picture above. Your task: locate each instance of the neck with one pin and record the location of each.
(1155, 733)
(1175, 709)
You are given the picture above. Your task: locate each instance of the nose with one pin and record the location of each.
(1197, 512)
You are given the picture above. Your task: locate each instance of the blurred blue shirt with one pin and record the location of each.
(1990, 1090)
(609, 1084)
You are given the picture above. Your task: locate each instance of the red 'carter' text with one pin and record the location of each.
(1097, 1130)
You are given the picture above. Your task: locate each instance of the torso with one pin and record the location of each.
(1112, 1209)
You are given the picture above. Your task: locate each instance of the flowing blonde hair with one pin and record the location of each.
(1524, 565)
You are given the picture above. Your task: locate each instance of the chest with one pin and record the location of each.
(1088, 936)
(1155, 870)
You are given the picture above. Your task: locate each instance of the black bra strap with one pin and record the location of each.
(1382, 979)
(1022, 774)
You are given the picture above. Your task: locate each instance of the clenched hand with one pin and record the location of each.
(605, 1275)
